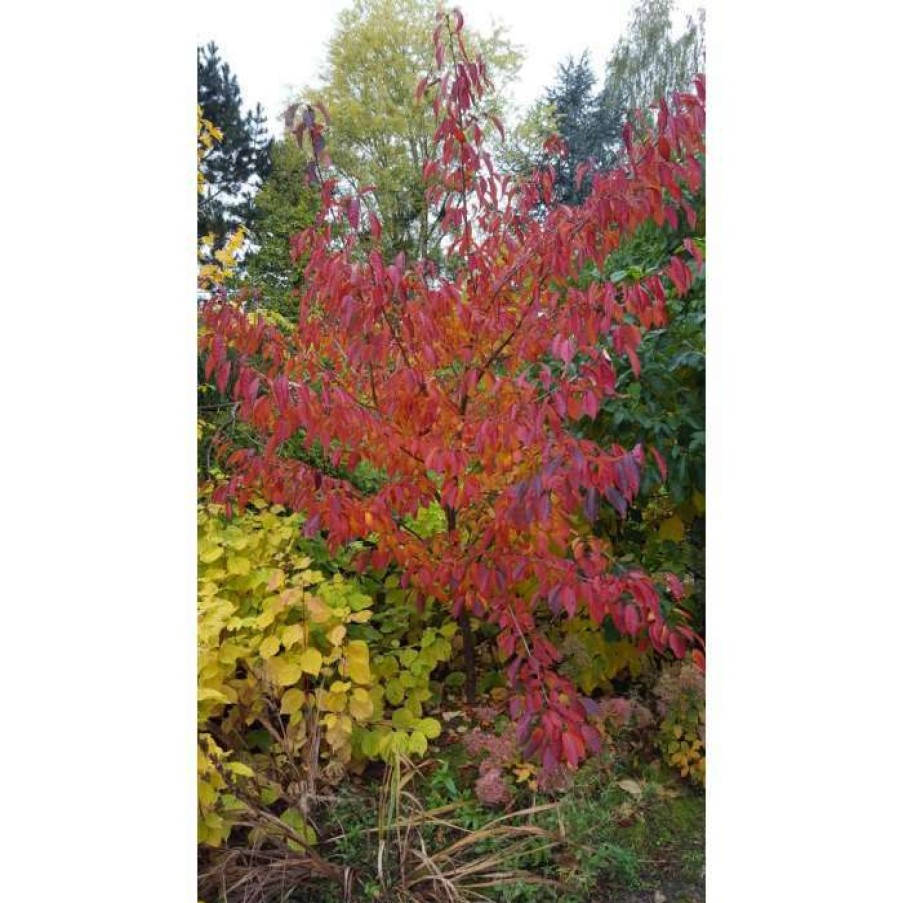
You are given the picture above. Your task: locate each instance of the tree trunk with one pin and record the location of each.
(470, 660)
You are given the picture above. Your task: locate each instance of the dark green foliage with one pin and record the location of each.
(234, 167)
(664, 408)
(284, 206)
(589, 122)
(646, 64)
(665, 404)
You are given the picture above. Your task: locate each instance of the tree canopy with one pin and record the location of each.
(587, 120)
(461, 388)
(284, 206)
(649, 62)
(379, 133)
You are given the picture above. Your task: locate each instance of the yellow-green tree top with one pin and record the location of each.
(379, 134)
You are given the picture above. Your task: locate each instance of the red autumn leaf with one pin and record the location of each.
(631, 619)
(678, 645)
(354, 212)
(676, 587)
(660, 462)
(573, 747)
(375, 226)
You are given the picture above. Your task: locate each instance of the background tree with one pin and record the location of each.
(588, 121)
(646, 64)
(379, 133)
(284, 206)
(233, 167)
(649, 62)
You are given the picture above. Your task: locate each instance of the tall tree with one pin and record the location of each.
(379, 133)
(588, 122)
(649, 62)
(233, 167)
(464, 390)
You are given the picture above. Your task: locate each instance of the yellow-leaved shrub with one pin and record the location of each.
(287, 692)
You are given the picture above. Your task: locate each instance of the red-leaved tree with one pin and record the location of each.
(461, 383)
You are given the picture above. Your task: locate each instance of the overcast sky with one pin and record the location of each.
(277, 47)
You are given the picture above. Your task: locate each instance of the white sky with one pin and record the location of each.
(276, 47)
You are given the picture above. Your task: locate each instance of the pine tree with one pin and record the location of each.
(235, 166)
(588, 122)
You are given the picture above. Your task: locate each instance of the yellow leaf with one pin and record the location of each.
(238, 564)
(339, 686)
(292, 634)
(211, 554)
(357, 660)
(337, 634)
(361, 705)
(265, 618)
(269, 647)
(205, 693)
(284, 672)
(332, 702)
(292, 700)
(672, 529)
(311, 661)
(311, 578)
(206, 793)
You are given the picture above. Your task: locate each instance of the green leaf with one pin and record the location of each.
(295, 820)
(403, 718)
(430, 727)
(417, 743)
(394, 691)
